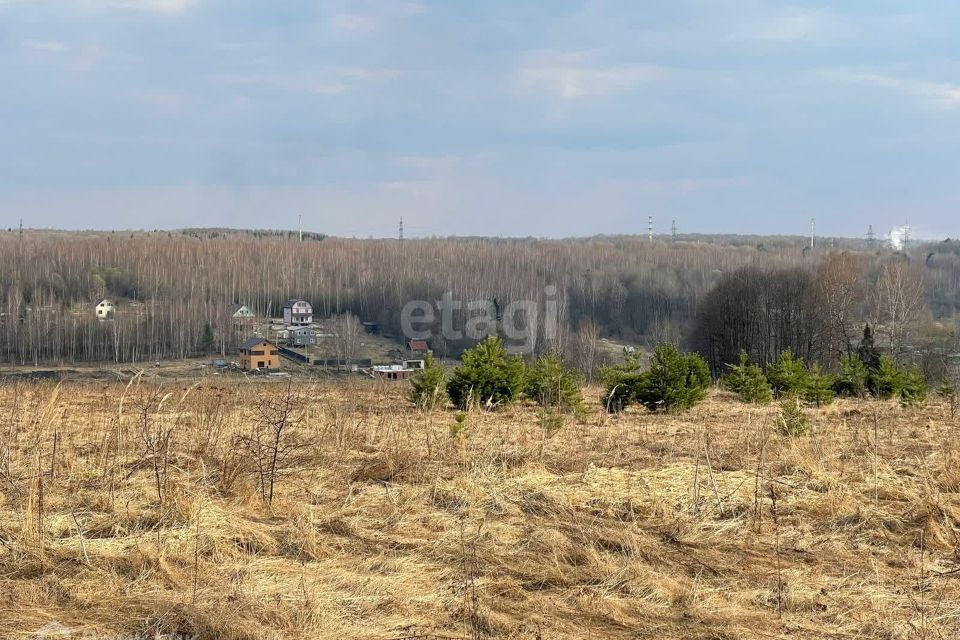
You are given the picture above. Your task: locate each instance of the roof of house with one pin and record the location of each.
(104, 301)
(233, 308)
(289, 303)
(418, 345)
(254, 342)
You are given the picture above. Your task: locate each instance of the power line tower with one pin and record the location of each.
(21, 228)
(401, 228)
(906, 237)
(673, 230)
(871, 237)
(300, 226)
(813, 232)
(650, 228)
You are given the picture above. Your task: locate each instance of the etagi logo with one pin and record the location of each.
(522, 322)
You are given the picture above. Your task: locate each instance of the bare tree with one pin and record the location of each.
(347, 329)
(586, 344)
(840, 290)
(899, 300)
(275, 444)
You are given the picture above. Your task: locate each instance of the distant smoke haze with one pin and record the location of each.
(899, 237)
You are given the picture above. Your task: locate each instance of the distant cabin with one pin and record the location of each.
(297, 312)
(105, 309)
(301, 337)
(418, 347)
(241, 313)
(257, 353)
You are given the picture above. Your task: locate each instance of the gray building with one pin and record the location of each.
(301, 337)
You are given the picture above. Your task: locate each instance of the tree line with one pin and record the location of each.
(174, 289)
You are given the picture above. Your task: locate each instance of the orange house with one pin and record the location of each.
(257, 353)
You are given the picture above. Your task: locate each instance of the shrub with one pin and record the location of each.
(620, 381)
(788, 375)
(675, 381)
(889, 381)
(819, 388)
(747, 381)
(913, 387)
(885, 380)
(792, 421)
(429, 389)
(459, 426)
(851, 382)
(488, 375)
(552, 384)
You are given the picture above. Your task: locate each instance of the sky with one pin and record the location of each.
(547, 118)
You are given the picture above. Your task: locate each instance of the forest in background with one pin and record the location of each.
(172, 285)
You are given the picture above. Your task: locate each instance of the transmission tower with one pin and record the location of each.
(401, 228)
(813, 231)
(673, 230)
(650, 228)
(871, 237)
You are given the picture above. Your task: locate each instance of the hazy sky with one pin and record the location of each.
(494, 117)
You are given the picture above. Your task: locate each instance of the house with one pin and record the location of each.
(392, 372)
(301, 337)
(258, 353)
(105, 309)
(418, 348)
(241, 314)
(297, 312)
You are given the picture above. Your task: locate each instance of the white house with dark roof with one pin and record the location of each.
(297, 312)
(105, 309)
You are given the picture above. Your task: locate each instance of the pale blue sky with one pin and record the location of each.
(502, 117)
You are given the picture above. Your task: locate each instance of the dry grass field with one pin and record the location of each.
(143, 510)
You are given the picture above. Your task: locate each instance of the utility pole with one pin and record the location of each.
(871, 237)
(300, 225)
(650, 228)
(401, 228)
(21, 228)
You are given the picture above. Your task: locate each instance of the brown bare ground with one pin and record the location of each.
(386, 526)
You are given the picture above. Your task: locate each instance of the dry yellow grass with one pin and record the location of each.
(386, 526)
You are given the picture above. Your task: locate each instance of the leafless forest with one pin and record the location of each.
(170, 285)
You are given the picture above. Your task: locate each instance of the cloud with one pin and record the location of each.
(572, 76)
(169, 7)
(793, 25)
(44, 46)
(442, 163)
(348, 19)
(332, 81)
(941, 94)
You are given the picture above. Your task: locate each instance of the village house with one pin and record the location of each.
(105, 309)
(241, 314)
(259, 353)
(302, 337)
(297, 312)
(418, 348)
